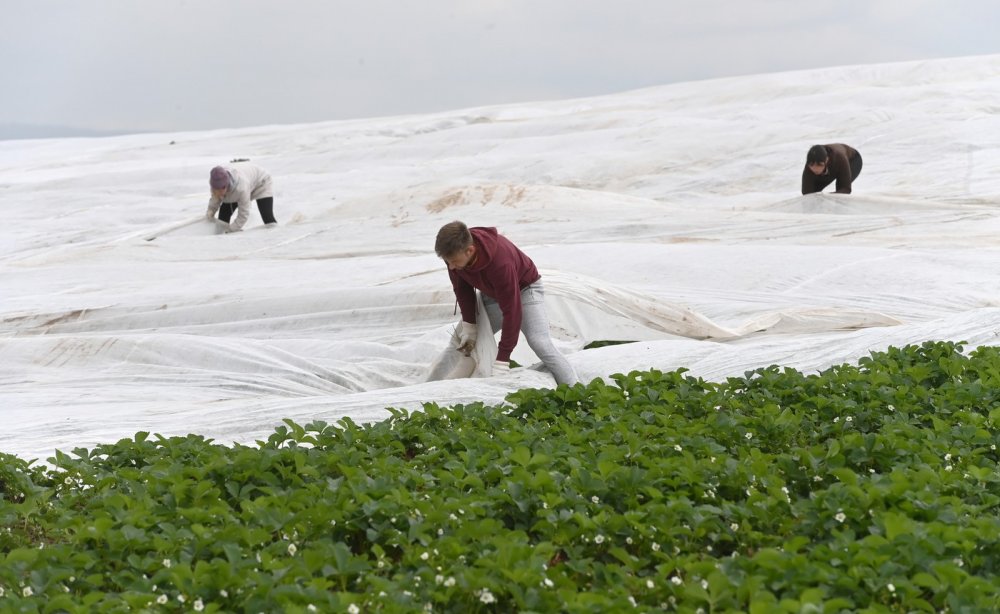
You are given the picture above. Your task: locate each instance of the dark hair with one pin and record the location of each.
(452, 238)
(817, 155)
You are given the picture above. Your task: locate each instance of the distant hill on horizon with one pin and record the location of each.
(13, 132)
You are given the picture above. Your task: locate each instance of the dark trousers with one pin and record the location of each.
(264, 205)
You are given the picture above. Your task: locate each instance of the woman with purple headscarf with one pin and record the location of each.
(234, 185)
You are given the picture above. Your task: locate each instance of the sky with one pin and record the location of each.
(121, 66)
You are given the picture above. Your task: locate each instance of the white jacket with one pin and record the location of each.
(246, 182)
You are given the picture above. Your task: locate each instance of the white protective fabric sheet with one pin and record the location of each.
(669, 216)
(478, 363)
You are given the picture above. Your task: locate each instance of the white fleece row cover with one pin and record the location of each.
(671, 216)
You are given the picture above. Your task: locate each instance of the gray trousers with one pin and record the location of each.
(535, 326)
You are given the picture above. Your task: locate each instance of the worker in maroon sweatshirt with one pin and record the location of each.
(481, 259)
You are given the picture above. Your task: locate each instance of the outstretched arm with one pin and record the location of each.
(242, 216)
(844, 178)
(213, 206)
(808, 183)
(465, 294)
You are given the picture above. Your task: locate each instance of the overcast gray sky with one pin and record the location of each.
(164, 65)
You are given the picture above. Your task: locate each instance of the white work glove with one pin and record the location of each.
(500, 367)
(466, 332)
(210, 215)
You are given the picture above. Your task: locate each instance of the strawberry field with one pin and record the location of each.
(871, 487)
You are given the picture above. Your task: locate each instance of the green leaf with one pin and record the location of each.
(521, 455)
(896, 525)
(845, 475)
(833, 449)
(926, 580)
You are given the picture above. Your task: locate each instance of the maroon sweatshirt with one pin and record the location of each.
(500, 271)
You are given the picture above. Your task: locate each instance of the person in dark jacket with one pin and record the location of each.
(513, 297)
(826, 163)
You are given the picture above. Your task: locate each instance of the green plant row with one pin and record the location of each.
(864, 488)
